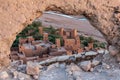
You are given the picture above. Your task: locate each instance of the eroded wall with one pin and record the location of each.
(16, 14)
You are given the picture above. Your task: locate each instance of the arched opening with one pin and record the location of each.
(55, 34)
(104, 15)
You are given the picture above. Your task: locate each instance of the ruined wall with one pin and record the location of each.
(15, 14)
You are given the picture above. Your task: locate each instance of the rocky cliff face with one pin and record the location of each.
(15, 14)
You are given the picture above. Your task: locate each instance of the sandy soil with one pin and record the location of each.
(78, 22)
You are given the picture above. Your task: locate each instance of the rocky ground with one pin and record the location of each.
(101, 66)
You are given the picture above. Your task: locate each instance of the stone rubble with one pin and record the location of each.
(95, 63)
(105, 65)
(73, 70)
(73, 57)
(52, 66)
(85, 65)
(23, 76)
(113, 51)
(102, 51)
(4, 75)
(80, 70)
(32, 68)
(91, 53)
(22, 68)
(35, 77)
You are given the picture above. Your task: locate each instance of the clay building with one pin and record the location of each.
(37, 50)
(61, 31)
(45, 37)
(69, 44)
(29, 49)
(77, 41)
(58, 44)
(41, 30)
(74, 33)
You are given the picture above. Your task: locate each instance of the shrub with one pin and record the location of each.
(36, 24)
(85, 43)
(38, 36)
(95, 45)
(102, 45)
(50, 30)
(52, 37)
(90, 39)
(81, 37)
(24, 33)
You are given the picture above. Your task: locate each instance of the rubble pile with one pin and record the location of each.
(73, 69)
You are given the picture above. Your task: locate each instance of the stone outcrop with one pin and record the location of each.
(16, 14)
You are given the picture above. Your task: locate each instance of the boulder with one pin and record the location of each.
(22, 76)
(113, 51)
(4, 75)
(91, 53)
(76, 75)
(95, 63)
(63, 58)
(63, 65)
(15, 74)
(106, 66)
(52, 66)
(73, 67)
(78, 78)
(53, 74)
(74, 70)
(101, 51)
(35, 77)
(85, 65)
(22, 68)
(32, 68)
